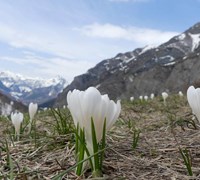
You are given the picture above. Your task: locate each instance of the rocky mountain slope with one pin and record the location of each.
(29, 89)
(7, 105)
(170, 67)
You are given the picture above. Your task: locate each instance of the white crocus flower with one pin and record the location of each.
(141, 98)
(88, 104)
(145, 98)
(17, 119)
(152, 96)
(164, 96)
(193, 97)
(32, 108)
(180, 93)
(132, 99)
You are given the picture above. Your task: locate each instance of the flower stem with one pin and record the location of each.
(97, 173)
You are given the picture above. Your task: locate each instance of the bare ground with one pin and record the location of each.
(164, 129)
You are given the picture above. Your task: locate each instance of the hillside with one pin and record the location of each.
(163, 130)
(170, 67)
(7, 105)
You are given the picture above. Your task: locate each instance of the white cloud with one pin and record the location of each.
(141, 36)
(47, 68)
(46, 40)
(66, 42)
(71, 52)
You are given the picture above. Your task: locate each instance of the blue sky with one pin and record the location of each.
(45, 38)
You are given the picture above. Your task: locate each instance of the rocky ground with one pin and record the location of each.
(164, 132)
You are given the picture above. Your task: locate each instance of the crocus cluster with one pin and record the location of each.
(90, 104)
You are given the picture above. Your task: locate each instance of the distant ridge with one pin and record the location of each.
(26, 89)
(171, 67)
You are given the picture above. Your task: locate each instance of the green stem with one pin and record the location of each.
(95, 146)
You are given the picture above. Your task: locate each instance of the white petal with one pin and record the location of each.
(191, 96)
(90, 102)
(117, 110)
(99, 117)
(32, 110)
(74, 106)
(198, 103)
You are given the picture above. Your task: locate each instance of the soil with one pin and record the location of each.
(164, 130)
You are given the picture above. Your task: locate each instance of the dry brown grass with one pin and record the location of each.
(156, 157)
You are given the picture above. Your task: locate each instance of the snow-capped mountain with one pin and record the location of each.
(28, 89)
(171, 66)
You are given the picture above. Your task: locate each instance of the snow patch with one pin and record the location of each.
(7, 84)
(128, 60)
(195, 40)
(130, 78)
(167, 57)
(146, 48)
(50, 93)
(181, 36)
(114, 71)
(16, 94)
(122, 67)
(24, 89)
(169, 64)
(106, 64)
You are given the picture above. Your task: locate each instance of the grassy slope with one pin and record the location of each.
(163, 129)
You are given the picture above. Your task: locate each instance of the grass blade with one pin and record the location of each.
(95, 145)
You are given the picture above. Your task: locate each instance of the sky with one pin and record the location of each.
(46, 38)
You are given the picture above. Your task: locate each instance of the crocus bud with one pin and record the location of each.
(145, 98)
(32, 110)
(180, 93)
(132, 99)
(17, 119)
(164, 96)
(152, 96)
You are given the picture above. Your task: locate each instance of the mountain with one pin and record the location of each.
(170, 67)
(30, 89)
(7, 105)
